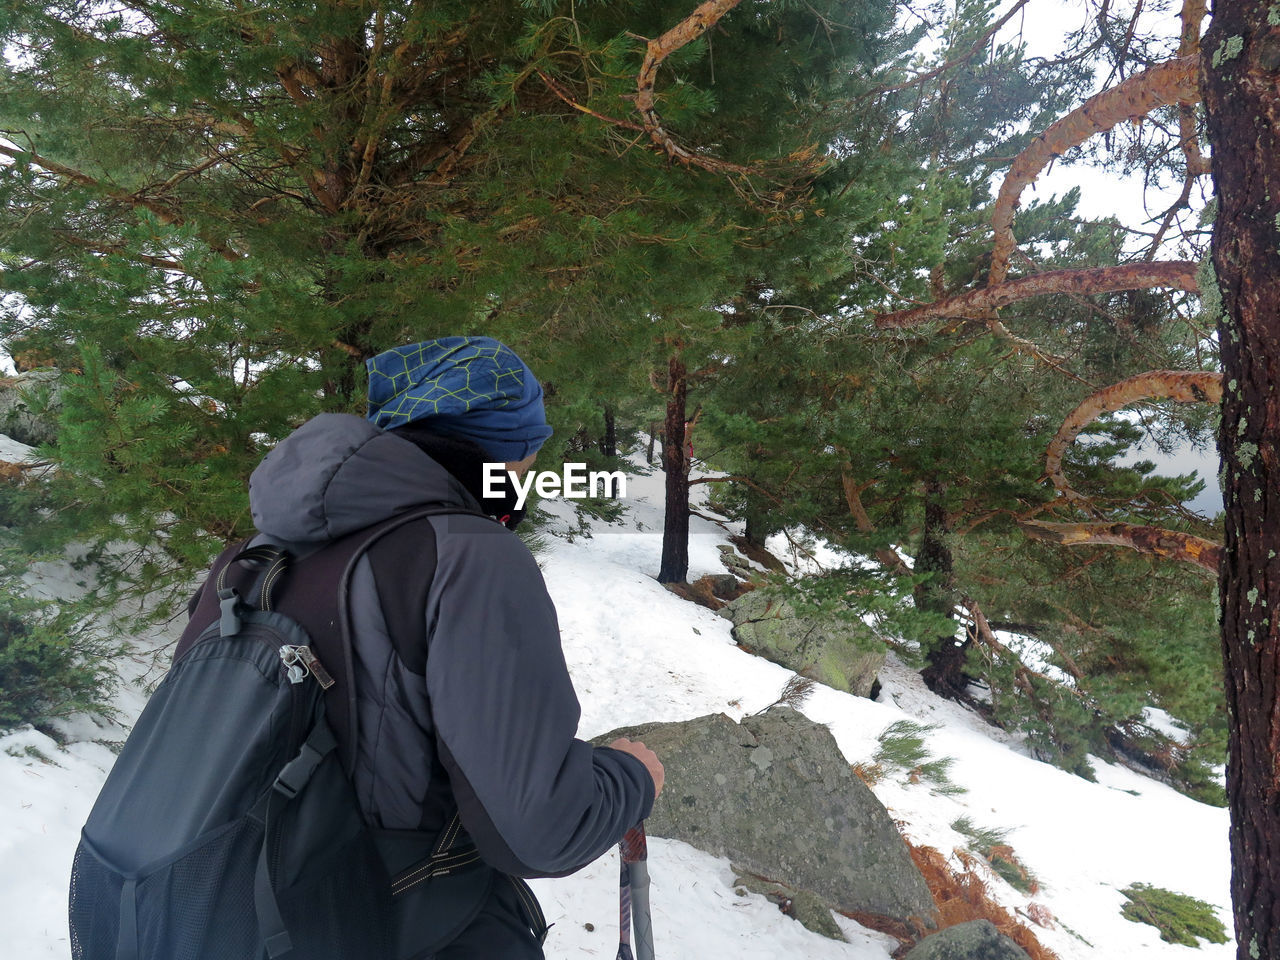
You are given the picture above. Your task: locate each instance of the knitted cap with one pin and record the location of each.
(473, 387)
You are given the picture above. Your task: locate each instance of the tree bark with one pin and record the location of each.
(609, 442)
(675, 461)
(1173, 81)
(1174, 274)
(1169, 544)
(1240, 80)
(944, 669)
(1185, 386)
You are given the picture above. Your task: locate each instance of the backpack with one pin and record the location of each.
(228, 828)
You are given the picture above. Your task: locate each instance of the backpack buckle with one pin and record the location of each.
(229, 604)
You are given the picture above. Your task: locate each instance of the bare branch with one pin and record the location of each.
(1168, 544)
(1174, 274)
(560, 92)
(954, 62)
(1184, 386)
(703, 18)
(1174, 81)
(888, 557)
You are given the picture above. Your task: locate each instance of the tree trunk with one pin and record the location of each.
(1242, 104)
(609, 442)
(754, 529)
(675, 461)
(944, 670)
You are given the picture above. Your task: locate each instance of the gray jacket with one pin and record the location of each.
(484, 713)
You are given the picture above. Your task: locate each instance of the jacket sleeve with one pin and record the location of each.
(535, 800)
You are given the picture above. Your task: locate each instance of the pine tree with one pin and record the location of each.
(212, 217)
(1238, 77)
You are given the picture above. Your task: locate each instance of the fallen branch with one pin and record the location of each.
(1174, 81)
(1184, 386)
(1173, 274)
(1167, 544)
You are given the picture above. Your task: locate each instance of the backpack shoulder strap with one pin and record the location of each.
(404, 565)
(402, 543)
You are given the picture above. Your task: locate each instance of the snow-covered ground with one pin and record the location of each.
(639, 654)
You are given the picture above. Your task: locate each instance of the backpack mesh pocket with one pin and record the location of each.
(176, 902)
(95, 906)
(185, 908)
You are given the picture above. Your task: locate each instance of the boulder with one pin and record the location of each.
(24, 414)
(775, 795)
(824, 647)
(975, 940)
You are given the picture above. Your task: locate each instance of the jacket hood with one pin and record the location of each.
(338, 473)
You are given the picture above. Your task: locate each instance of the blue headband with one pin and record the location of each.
(474, 387)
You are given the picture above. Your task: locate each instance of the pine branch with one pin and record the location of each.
(703, 18)
(797, 690)
(965, 57)
(1156, 541)
(1173, 274)
(1174, 81)
(167, 215)
(1184, 386)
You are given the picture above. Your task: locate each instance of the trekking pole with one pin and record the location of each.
(633, 900)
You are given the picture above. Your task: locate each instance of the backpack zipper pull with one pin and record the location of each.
(316, 667)
(297, 670)
(300, 661)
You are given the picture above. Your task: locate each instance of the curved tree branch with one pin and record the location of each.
(1174, 274)
(1169, 544)
(1184, 386)
(1174, 81)
(703, 18)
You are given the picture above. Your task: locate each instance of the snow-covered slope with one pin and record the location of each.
(638, 654)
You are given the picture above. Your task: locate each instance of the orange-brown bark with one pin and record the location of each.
(890, 558)
(1173, 274)
(1169, 544)
(1174, 81)
(1185, 386)
(703, 18)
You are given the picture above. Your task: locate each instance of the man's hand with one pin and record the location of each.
(645, 756)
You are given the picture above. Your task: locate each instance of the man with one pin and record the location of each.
(478, 713)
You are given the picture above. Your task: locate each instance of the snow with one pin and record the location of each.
(11, 451)
(637, 654)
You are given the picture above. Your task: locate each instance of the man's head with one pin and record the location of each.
(472, 387)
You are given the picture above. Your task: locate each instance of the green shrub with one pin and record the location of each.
(51, 666)
(1178, 917)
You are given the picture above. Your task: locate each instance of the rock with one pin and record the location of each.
(739, 566)
(975, 940)
(830, 649)
(808, 908)
(775, 795)
(24, 420)
(758, 553)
